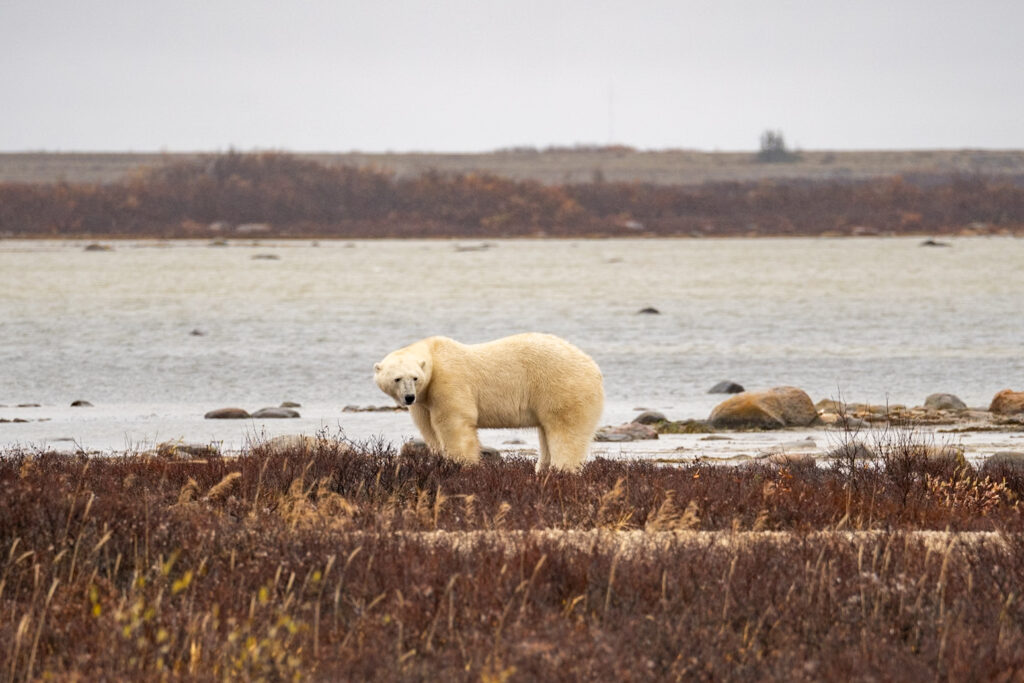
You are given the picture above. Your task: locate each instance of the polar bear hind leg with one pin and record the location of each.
(569, 437)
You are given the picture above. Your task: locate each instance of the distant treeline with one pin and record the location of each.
(274, 194)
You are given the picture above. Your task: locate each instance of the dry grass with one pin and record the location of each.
(555, 166)
(360, 564)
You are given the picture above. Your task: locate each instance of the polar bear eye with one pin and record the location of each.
(397, 380)
(415, 379)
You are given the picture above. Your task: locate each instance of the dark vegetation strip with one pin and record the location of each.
(278, 565)
(294, 197)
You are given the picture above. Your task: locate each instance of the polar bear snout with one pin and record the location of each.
(409, 399)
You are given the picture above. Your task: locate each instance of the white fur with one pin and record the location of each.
(526, 380)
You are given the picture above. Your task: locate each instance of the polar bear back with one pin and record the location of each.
(519, 381)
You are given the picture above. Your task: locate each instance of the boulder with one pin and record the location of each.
(81, 404)
(650, 417)
(1007, 402)
(684, 427)
(172, 449)
(772, 409)
(227, 414)
(649, 310)
(373, 409)
(1014, 459)
(275, 413)
(855, 450)
(726, 387)
(830, 405)
(631, 431)
(944, 402)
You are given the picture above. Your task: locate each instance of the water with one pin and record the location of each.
(866, 319)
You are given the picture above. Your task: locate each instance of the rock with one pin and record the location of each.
(934, 243)
(631, 431)
(227, 414)
(275, 413)
(787, 458)
(513, 442)
(290, 404)
(489, 454)
(81, 404)
(415, 448)
(844, 422)
(373, 409)
(855, 450)
(772, 409)
(1007, 402)
(944, 402)
(171, 449)
(98, 247)
(1014, 459)
(649, 310)
(28, 405)
(830, 405)
(684, 427)
(266, 257)
(197, 333)
(288, 443)
(727, 387)
(649, 417)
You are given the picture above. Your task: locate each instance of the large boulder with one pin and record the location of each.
(227, 414)
(275, 413)
(1007, 402)
(772, 409)
(944, 402)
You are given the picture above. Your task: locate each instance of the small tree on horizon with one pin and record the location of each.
(773, 148)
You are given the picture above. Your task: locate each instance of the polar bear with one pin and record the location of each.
(526, 380)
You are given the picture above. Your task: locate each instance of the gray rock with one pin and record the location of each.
(275, 413)
(373, 409)
(649, 310)
(28, 405)
(726, 387)
(649, 417)
(855, 450)
(944, 402)
(631, 431)
(290, 404)
(98, 247)
(227, 414)
(1014, 459)
(81, 404)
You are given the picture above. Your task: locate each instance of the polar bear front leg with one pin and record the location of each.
(421, 418)
(544, 461)
(458, 436)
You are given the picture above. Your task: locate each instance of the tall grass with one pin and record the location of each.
(334, 562)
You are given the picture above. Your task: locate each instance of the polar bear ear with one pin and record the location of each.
(423, 365)
(376, 367)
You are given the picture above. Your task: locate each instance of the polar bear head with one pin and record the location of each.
(403, 376)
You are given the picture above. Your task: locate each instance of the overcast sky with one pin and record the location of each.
(452, 75)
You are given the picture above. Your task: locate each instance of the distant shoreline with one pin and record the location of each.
(278, 195)
(554, 165)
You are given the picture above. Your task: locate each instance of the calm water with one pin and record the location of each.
(867, 319)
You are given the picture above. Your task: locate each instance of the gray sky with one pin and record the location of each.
(452, 75)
